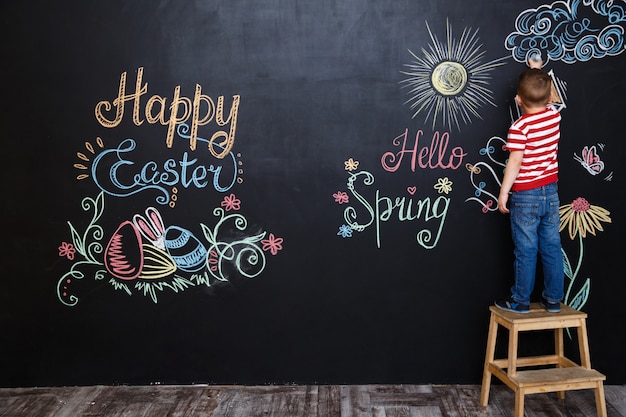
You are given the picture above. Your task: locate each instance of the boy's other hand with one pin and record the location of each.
(502, 201)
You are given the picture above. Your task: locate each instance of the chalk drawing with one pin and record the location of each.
(443, 185)
(448, 81)
(485, 177)
(344, 231)
(144, 256)
(592, 162)
(569, 31)
(580, 219)
(67, 250)
(272, 244)
(341, 197)
(115, 172)
(351, 165)
(369, 207)
(197, 112)
(85, 158)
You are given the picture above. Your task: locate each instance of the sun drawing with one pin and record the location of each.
(449, 81)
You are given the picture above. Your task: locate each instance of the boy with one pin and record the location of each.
(531, 174)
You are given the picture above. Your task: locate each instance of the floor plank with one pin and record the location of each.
(297, 401)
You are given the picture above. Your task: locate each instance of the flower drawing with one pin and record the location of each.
(67, 250)
(345, 231)
(272, 244)
(351, 164)
(444, 185)
(341, 197)
(231, 203)
(581, 218)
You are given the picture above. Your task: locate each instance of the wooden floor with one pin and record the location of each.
(295, 401)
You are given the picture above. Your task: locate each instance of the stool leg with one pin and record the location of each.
(560, 352)
(583, 345)
(519, 403)
(513, 338)
(600, 400)
(491, 349)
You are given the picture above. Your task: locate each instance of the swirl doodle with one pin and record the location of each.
(245, 254)
(483, 197)
(573, 31)
(88, 246)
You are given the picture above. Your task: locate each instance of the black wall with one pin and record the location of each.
(282, 293)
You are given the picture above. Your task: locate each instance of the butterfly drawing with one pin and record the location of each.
(590, 160)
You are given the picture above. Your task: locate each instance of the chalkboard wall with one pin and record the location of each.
(265, 191)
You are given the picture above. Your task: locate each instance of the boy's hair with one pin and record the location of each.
(534, 87)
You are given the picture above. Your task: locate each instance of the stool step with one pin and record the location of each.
(539, 318)
(557, 377)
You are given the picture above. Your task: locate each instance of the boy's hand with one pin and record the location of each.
(535, 61)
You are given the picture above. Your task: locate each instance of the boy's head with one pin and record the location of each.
(534, 88)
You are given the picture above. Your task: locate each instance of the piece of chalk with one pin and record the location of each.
(536, 57)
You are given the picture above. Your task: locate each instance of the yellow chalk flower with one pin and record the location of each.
(581, 217)
(444, 185)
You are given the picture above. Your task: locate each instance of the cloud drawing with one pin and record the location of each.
(570, 31)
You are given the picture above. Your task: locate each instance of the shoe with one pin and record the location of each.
(550, 307)
(509, 304)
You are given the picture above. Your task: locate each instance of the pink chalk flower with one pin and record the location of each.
(231, 203)
(341, 197)
(272, 244)
(67, 250)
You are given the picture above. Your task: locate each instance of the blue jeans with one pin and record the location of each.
(535, 230)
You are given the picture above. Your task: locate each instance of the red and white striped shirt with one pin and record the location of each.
(537, 135)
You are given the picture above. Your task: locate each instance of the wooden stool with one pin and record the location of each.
(561, 374)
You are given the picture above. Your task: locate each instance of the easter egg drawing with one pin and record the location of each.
(157, 263)
(185, 249)
(123, 256)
